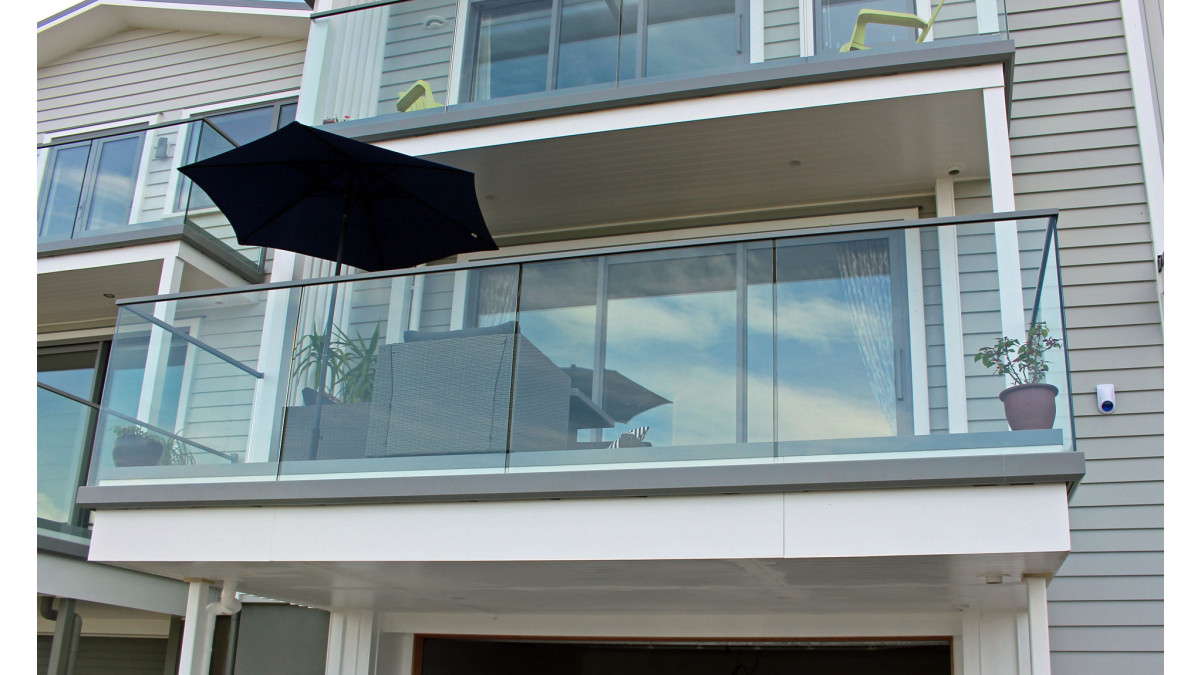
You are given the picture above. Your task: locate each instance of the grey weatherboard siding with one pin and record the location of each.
(143, 71)
(1075, 147)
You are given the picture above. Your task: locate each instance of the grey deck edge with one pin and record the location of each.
(906, 472)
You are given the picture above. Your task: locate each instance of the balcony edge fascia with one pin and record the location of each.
(907, 472)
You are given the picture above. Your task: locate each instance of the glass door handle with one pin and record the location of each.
(900, 373)
(739, 33)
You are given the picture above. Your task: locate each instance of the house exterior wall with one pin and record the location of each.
(142, 72)
(1075, 147)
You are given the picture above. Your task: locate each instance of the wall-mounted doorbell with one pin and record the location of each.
(1106, 398)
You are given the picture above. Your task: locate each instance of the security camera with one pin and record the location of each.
(1106, 398)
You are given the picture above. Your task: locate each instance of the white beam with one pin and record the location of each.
(72, 578)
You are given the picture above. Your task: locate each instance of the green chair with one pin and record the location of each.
(418, 97)
(858, 40)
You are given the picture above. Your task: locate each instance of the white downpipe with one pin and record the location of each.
(195, 651)
(228, 604)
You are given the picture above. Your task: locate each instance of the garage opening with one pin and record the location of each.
(460, 656)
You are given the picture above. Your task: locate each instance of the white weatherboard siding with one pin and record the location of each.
(146, 71)
(1074, 147)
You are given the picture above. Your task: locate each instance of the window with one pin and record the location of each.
(88, 186)
(241, 126)
(835, 23)
(528, 46)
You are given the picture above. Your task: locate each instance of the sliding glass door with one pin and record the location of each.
(734, 345)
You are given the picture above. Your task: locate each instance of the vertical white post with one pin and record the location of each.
(1023, 656)
(399, 309)
(987, 16)
(1008, 255)
(158, 351)
(956, 373)
(1039, 626)
(916, 331)
(458, 303)
(970, 642)
(757, 48)
(808, 32)
(351, 642)
(196, 645)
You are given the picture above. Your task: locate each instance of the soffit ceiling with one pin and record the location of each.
(763, 165)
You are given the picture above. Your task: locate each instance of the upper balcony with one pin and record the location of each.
(417, 63)
(112, 209)
(802, 358)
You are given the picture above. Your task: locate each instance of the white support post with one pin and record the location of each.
(1008, 253)
(956, 372)
(351, 642)
(987, 16)
(808, 31)
(196, 645)
(1039, 626)
(458, 304)
(970, 642)
(159, 349)
(757, 48)
(916, 332)
(1023, 657)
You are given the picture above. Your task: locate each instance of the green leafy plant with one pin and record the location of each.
(137, 431)
(349, 363)
(1024, 362)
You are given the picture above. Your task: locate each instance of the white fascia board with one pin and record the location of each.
(892, 522)
(951, 520)
(71, 578)
(708, 107)
(107, 257)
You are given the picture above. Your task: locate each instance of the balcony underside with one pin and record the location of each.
(727, 158)
(853, 550)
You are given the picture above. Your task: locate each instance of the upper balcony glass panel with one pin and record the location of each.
(848, 342)
(420, 57)
(126, 183)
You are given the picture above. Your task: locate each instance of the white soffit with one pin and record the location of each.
(100, 19)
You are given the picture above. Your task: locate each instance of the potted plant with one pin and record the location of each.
(1029, 403)
(134, 446)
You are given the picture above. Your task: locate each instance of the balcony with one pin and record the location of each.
(113, 208)
(414, 63)
(827, 356)
(65, 431)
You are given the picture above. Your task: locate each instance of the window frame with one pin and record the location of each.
(470, 50)
(94, 141)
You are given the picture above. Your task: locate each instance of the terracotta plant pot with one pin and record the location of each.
(136, 451)
(1029, 406)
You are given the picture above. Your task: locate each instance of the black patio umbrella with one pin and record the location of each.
(623, 398)
(313, 192)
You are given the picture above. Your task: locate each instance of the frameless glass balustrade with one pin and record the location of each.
(840, 342)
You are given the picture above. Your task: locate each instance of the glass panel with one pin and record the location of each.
(690, 35)
(587, 51)
(836, 352)
(63, 191)
(671, 333)
(836, 19)
(557, 356)
(63, 435)
(116, 176)
(512, 50)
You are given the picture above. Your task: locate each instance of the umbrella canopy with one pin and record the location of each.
(313, 192)
(623, 398)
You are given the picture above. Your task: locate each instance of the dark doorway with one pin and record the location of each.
(453, 656)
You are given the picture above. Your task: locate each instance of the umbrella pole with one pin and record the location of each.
(316, 434)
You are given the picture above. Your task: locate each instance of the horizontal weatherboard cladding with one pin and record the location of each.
(1074, 144)
(144, 71)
